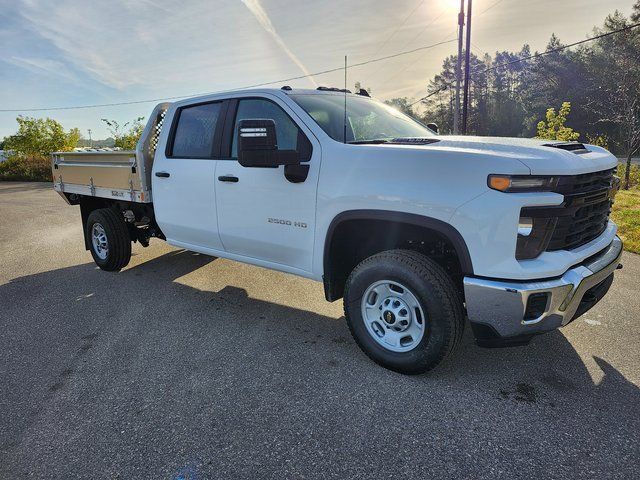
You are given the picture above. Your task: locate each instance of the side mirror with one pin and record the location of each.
(433, 126)
(258, 145)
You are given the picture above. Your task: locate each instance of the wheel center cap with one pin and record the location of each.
(389, 317)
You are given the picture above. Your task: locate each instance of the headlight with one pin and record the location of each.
(521, 183)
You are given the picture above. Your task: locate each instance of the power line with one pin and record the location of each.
(405, 67)
(490, 7)
(384, 82)
(374, 60)
(384, 44)
(256, 85)
(536, 55)
(441, 89)
(558, 49)
(424, 28)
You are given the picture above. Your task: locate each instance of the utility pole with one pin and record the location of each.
(467, 71)
(456, 107)
(90, 141)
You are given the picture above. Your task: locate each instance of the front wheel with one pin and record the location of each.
(403, 310)
(109, 240)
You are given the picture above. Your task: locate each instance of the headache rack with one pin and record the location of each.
(111, 173)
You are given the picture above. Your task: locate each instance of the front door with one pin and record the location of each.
(184, 177)
(262, 214)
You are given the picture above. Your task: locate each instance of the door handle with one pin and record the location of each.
(163, 174)
(228, 178)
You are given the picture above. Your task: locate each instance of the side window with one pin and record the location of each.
(193, 137)
(287, 130)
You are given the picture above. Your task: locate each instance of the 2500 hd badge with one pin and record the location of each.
(287, 222)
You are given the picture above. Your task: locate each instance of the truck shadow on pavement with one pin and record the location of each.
(82, 349)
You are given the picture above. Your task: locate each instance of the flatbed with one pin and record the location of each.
(112, 174)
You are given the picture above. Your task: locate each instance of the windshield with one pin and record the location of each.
(367, 120)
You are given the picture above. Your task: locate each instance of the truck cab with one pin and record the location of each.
(416, 231)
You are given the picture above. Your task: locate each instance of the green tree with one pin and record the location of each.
(40, 137)
(125, 138)
(614, 63)
(598, 140)
(635, 16)
(554, 127)
(439, 106)
(509, 95)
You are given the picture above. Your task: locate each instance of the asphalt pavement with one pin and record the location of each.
(184, 366)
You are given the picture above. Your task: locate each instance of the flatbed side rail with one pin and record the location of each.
(106, 174)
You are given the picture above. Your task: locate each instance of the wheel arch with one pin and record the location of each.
(334, 277)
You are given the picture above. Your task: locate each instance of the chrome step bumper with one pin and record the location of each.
(503, 305)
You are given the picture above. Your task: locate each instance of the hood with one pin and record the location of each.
(542, 157)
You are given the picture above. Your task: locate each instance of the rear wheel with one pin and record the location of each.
(109, 240)
(403, 310)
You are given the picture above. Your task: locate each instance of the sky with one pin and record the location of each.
(73, 52)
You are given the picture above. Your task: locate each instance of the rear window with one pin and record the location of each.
(194, 134)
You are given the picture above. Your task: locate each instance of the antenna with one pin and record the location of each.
(345, 100)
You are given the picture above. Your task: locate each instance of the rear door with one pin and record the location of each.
(183, 176)
(262, 214)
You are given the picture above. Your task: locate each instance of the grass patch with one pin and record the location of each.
(626, 213)
(29, 169)
(634, 174)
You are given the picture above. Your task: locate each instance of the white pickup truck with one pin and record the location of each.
(416, 231)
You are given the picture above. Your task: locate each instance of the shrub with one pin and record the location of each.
(125, 139)
(32, 168)
(40, 137)
(554, 127)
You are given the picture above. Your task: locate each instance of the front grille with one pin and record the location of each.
(585, 183)
(585, 212)
(586, 209)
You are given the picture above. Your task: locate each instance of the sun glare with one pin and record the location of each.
(449, 5)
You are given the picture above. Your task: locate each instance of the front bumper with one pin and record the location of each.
(502, 309)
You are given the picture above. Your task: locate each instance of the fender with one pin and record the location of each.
(445, 229)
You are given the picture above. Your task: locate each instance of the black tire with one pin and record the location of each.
(432, 288)
(118, 252)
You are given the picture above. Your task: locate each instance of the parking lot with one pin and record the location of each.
(184, 366)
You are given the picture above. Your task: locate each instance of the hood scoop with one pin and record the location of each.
(575, 147)
(413, 140)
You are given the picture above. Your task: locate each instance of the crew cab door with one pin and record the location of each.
(262, 214)
(183, 177)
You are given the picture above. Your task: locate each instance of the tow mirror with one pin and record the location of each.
(258, 145)
(433, 126)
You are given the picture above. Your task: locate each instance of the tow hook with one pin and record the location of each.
(619, 267)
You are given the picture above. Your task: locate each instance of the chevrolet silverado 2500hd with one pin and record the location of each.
(414, 230)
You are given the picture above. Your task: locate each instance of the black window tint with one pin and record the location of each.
(195, 130)
(287, 130)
